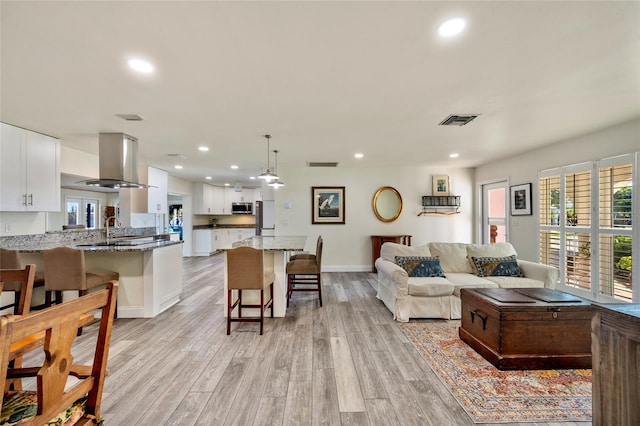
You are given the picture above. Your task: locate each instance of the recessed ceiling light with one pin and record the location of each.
(177, 166)
(234, 167)
(203, 148)
(451, 27)
(359, 155)
(252, 177)
(208, 177)
(226, 184)
(140, 66)
(454, 155)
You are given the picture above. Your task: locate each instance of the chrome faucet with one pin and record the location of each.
(106, 222)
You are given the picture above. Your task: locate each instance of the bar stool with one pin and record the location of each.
(245, 271)
(305, 255)
(64, 269)
(10, 259)
(304, 273)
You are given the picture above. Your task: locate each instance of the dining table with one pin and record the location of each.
(277, 251)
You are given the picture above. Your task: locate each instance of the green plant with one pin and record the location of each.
(585, 250)
(624, 263)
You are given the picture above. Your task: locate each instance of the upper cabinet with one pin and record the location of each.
(202, 198)
(147, 200)
(157, 194)
(29, 170)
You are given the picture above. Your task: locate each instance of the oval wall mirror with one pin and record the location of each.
(387, 204)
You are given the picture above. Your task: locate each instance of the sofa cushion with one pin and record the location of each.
(430, 287)
(453, 256)
(460, 280)
(515, 282)
(490, 250)
(419, 266)
(497, 266)
(389, 251)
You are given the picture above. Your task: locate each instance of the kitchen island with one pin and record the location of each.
(277, 250)
(150, 270)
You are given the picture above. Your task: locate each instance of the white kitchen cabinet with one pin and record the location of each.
(218, 200)
(202, 198)
(153, 199)
(220, 239)
(257, 194)
(157, 194)
(146, 200)
(202, 242)
(29, 170)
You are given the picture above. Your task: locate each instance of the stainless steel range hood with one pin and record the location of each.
(118, 162)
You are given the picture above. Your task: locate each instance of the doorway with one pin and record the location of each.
(494, 212)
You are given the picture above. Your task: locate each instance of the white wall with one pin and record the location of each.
(610, 142)
(348, 247)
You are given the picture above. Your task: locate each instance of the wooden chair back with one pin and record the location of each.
(60, 324)
(21, 282)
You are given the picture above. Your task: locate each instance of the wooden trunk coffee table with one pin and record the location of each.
(527, 328)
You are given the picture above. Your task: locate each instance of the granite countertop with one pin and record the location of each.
(276, 243)
(97, 246)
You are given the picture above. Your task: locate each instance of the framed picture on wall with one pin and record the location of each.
(327, 205)
(521, 200)
(440, 185)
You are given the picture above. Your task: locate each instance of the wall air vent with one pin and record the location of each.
(458, 119)
(130, 117)
(322, 164)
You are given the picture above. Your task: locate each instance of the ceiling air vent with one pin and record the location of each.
(458, 119)
(177, 155)
(130, 117)
(322, 164)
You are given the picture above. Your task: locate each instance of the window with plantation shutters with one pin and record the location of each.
(615, 230)
(586, 227)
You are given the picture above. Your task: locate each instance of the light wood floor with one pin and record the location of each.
(346, 363)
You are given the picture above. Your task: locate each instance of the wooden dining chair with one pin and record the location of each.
(20, 282)
(305, 274)
(55, 397)
(10, 259)
(246, 271)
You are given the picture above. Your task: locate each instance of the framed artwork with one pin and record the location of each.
(327, 205)
(440, 185)
(521, 200)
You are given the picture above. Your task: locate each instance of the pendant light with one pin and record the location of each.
(268, 176)
(276, 183)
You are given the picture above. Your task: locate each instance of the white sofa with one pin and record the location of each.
(439, 297)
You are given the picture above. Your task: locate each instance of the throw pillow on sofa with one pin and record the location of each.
(497, 266)
(420, 266)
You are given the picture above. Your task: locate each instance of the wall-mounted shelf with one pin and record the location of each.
(440, 204)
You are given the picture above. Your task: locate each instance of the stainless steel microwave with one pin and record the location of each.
(241, 208)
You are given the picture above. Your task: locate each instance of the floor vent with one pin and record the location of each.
(458, 119)
(322, 164)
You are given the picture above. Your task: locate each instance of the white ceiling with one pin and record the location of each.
(326, 79)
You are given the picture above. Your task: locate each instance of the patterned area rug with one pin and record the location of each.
(489, 395)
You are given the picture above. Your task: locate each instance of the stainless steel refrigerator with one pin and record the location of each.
(265, 217)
